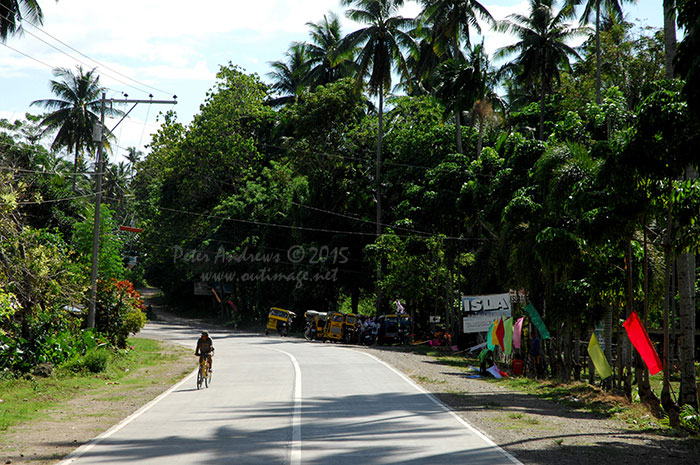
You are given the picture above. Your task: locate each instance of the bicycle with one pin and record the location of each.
(204, 372)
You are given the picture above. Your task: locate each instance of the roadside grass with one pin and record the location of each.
(27, 398)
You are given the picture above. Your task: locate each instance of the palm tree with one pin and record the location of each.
(74, 113)
(592, 8)
(541, 50)
(457, 88)
(328, 56)
(289, 78)
(381, 44)
(669, 36)
(451, 20)
(133, 156)
(12, 12)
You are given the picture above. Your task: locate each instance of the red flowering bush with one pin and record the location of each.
(119, 311)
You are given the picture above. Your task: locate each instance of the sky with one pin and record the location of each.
(167, 48)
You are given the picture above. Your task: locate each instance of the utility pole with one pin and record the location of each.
(98, 193)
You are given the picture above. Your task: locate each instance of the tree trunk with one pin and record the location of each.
(479, 141)
(378, 190)
(458, 129)
(597, 53)
(686, 293)
(686, 284)
(646, 394)
(542, 97)
(670, 36)
(608, 330)
(628, 344)
(669, 405)
(75, 164)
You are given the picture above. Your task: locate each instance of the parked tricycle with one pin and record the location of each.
(279, 320)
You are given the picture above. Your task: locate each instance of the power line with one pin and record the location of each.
(24, 20)
(28, 56)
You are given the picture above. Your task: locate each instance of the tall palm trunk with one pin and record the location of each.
(480, 140)
(608, 330)
(458, 111)
(686, 313)
(597, 52)
(542, 97)
(378, 189)
(458, 129)
(686, 283)
(669, 36)
(669, 405)
(646, 394)
(628, 344)
(75, 163)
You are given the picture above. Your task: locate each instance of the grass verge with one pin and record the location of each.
(28, 398)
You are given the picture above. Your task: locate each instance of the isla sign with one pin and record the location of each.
(480, 310)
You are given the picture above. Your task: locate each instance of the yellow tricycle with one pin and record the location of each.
(279, 320)
(334, 326)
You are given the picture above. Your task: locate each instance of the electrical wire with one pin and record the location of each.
(38, 28)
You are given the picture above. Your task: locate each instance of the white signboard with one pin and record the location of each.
(201, 288)
(481, 310)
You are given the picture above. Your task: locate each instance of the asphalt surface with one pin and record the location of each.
(276, 400)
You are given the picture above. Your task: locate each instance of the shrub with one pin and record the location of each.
(119, 311)
(94, 360)
(690, 419)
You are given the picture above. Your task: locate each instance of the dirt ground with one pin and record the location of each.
(538, 431)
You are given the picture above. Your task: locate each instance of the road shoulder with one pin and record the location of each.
(538, 431)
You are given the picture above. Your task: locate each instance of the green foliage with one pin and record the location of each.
(690, 419)
(119, 311)
(95, 360)
(110, 262)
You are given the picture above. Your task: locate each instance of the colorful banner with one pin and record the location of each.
(537, 321)
(482, 355)
(489, 337)
(640, 340)
(508, 336)
(602, 367)
(499, 332)
(517, 332)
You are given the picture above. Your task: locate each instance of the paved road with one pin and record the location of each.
(284, 401)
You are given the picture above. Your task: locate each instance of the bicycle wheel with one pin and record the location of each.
(200, 377)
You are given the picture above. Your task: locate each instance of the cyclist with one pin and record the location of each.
(205, 346)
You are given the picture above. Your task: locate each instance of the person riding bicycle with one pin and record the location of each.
(205, 347)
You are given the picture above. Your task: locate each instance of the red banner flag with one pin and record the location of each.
(640, 340)
(500, 332)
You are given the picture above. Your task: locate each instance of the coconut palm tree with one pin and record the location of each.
(12, 12)
(381, 48)
(452, 20)
(75, 111)
(542, 48)
(328, 56)
(592, 9)
(458, 88)
(289, 78)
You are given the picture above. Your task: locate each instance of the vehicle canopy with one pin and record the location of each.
(311, 315)
(281, 313)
